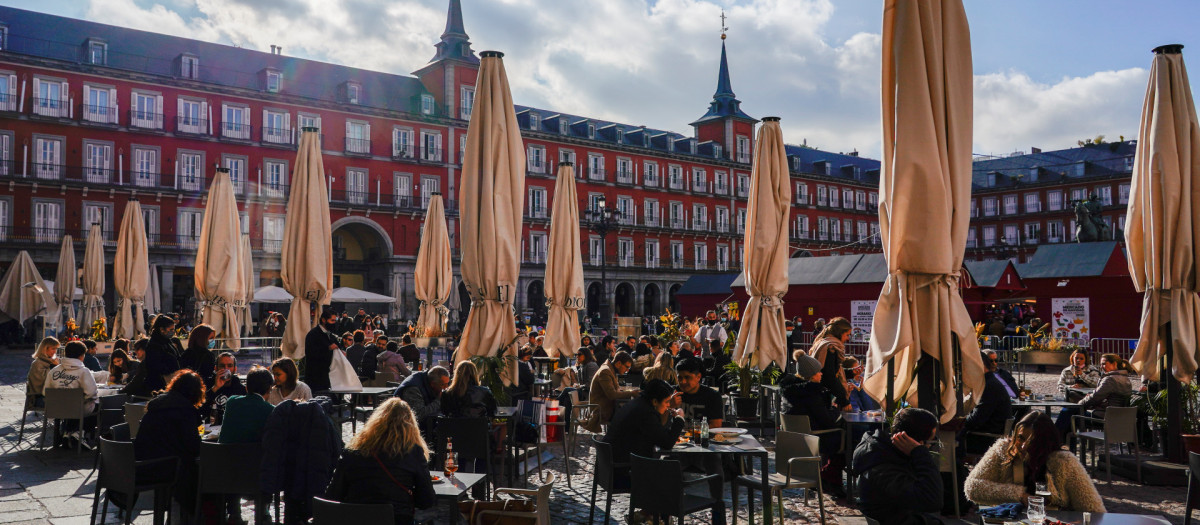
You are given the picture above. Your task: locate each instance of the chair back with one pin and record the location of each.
(948, 458)
(657, 485)
(796, 423)
(603, 471)
(470, 435)
(325, 512)
(1008, 426)
(64, 403)
(120, 432)
(109, 418)
(1120, 424)
(791, 444)
(112, 401)
(222, 465)
(133, 416)
(1194, 468)
(383, 378)
(542, 501)
(118, 466)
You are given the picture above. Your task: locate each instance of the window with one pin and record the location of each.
(402, 143)
(823, 228)
(675, 176)
(99, 104)
(353, 92)
(358, 137)
(989, 206)
(97, 53)
(743, 185)
(833, 197)
(676, 254)
(1054, 231)
(537, 202)
(277, 127)
(146, 110)
(99, 213)
(822, 195)
(189, 170)
(595, 250)
(875, 233)
(275, 178)
(356, 186)
(624, 252)
(971, 242)
(50, 97)
(835, 229)
(1105, 194)
(722, 219)
(431, 146)
(624, 170)
(468, 102)
(591, 130)
(3, 37)
(237, 172)
(535, 121)
(676, 209)
(873, 201)
(860, 200)
(427, 105)
(1033, 232)
(48, 158)
(308, 120)
(235, 123)
(272, 233)
(722, 257)
(564, 127)
(8, 87)
(626, 210)
(989, 236)
(537, 247)
(151, 222)
(595, 166)
(651, 253)
(848, 198)
(1123, 193)
(743, 149)
(566, 155)
(536, 158)
(402, 188)
(1078, 194)
(862, 230)
(1010, 204)
(802, 230)
(699, 180)
(721, 183)
(1011, 235)
(193, 116)
(6, 154)
(189, 67)
(47, 221)
(190, 224)
(650, 174)
(429, 186)
(97, 162)
(700, 217)
(1033, 204)
(700, 251)
(1054, 200)
(974, 208)
(274, 81)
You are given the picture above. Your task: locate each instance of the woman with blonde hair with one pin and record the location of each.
(43, 361)
(466, 397)
(664, 368)
(387, 462)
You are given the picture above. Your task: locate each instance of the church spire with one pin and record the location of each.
(724, 87)
(454, 21)
(455, 43)
(724, 103)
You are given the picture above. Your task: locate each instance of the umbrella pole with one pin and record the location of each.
(1172, 444)
(927, 380)
(956, 349)
(891, 388)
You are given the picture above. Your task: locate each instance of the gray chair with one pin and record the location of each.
(658, 488)
(797, 466)
(541, 509)
(65, 403)
(215, 462)
(325, 512)
(133, 416)
(1119, 426)
(122, 474)
(802, 425)
(29, 401)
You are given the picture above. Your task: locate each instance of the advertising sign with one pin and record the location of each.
(1069, 318)
(861, 314)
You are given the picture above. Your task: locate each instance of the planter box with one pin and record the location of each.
(104, 347)
(1043, 358)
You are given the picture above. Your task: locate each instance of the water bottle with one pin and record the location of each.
(704, 432)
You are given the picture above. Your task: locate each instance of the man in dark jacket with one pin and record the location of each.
(423, 392)
(898, 478)
(223, 385)
(354, 354)
(319, 345)
(1004, 375)
(990, 414)
(409, 351)
(161, 357)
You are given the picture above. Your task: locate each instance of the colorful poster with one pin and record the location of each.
(861, 314)
(1070, 318)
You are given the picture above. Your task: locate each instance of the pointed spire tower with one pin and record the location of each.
(455, 44)
(725, 122)
(450, 74)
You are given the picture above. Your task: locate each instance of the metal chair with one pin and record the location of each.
(65, 403)
(658, 488)
(797, 466)
(603, 476)
(471, 442)
(325, 512)
(1193, 495)
(802, 425)
(570, 429)
(1119, 426)
(121, 473)
(214, 477)
(133, 416)
(29, 401)
(112, 401)
(541, 509)
(948, 461)
(107, 419)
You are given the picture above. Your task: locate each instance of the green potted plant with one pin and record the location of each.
(1156, 407)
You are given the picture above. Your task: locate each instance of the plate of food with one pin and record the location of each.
(727, 430)
(435, 479)
(726, 438)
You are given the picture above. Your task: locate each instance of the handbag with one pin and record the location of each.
(472, 508)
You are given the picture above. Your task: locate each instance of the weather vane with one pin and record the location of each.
(724, 28)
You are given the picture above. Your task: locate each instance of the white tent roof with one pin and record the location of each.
(78, 290)
(272, 294)
(353, 295)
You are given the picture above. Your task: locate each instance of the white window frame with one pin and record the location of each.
(239, 171)
(1054, 200)
(188, 121)
(97, 161)
(189, 67)
(595, 167)
(274, 81)
(700, 255)
(231, 128)
(431, 138)
(650, 174)
(145, 164)
(535, 158)
(357, 185)
(624, 170)
(402, 189)
(675, 176)
(989, 236)
(403, 146)
(538, 205)
(358, 137)
(273, 226)
(275, 178)
(467, 98)
(93, 110)
(430, 184)
(47, 218)
(189, 170)
(144, 117)
(1010, 205)
(652, 253)
(188, 225)
(281, 134)
(991, 206)
(1033, 202)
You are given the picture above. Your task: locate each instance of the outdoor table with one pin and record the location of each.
(213, 433)
(369, 391)
(452, 489)
(1047, 404)
(748, 447)
(1099, 518)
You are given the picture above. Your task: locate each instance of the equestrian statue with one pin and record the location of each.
(1089, 226)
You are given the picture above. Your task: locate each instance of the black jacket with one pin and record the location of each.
(160, 361)
(354, 354)
(425, 403)
(993, 410)
(1008, 378)
(170, 429)
(896, 489)
(368, 365)
(362, 479)
(216, 400)
(411, 354)
(317, 359)
(477, 401)
(300, 447)
(637, 428)
(199, 360)
(806, 398)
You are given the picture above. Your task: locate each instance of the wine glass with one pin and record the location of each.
(451, 464)
(1036, 509)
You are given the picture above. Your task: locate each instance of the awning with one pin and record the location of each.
(353, 295)
(272, 294)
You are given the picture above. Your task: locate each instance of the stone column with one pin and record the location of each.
(166, 285)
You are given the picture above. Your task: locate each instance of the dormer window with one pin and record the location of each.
(620, 136)
(591, 130)
(427, 104)
(717, 151)
(189, 67)
(692, 147)
(3, 37)
(353, 92)
(97, 52)
(535, 122)
(670, 143)
(563, 127)
(274, 81)
(645, 139)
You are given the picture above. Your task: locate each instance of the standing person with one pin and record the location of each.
(225, 384)
(698, 400)
(898, 478)
(422, 391)
(43, 360)
(198, 356)
(89, 359)
(319, 345)
(466, 397)
(829, 350)
(287, 383)
(710, 330)
(818, 326)
(387, 462)
(169, 430)
(1114, 390)
(605, 389)
(354, 353)
(161, 361)
(796, 338)
(1011, 469)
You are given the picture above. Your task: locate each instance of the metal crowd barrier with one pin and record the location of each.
(260, 351)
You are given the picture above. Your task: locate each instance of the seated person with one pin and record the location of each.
(645, 425)
(803, 394)
(605, 390)
(990, 414)
(714, 364)
(1009, 381)
(1078, 374)
(522, 390)
(698, 401)
(43, 360)
(169, 430)
(422, 392)
(118, 373)
(287, 383)
(245, 415)
(409, 351)
(71, 373)
(1114, 389)
(89, 358)
(355, 351)
(1033, 454)
(859, 400)
(392, 362)
(369, 364)
(224, 383)
(466, 397)
(664, 368)
(386, 462)
(898, 478)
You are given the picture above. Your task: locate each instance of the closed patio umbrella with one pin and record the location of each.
(924, 206)
(93, 279)
(766, 251)
(131, 274)
(154, 292)
(68, 275)
(23, 293)
(1161, 231)
(307, 265)
(220, 277)
(251, 282)
(434, 274)
(564, 268)
(491, 198)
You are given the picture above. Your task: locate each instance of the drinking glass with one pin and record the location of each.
(1036, 509)
(1041, 490)
(451, 464)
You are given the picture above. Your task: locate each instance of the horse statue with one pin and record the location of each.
(1089, 227)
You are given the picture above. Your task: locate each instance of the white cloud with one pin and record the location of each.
(654, 63)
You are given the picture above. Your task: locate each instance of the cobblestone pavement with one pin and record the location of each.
(56, 486)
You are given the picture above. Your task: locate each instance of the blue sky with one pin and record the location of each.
(1048, 73)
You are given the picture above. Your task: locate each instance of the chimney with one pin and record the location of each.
(1035, 151)
(854, 153)
(272, 49)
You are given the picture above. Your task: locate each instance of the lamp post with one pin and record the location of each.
(601, 219)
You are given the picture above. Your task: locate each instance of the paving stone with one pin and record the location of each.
(23, 516)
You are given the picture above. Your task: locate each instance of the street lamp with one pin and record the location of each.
(601, 219)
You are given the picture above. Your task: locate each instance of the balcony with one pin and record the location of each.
(50, 107)
(677, 223)
(652, 221)
(106, 115)
(236, 131)
(534, 257)
(358, 146)
(700, 225)
(650, 181)
(722, 227)
(431, 154)
(191, 125)
(272, 245)
(597, 174)
(743, 158)
(403, 152)
(625, 176)
(675, 183)
(8, 102)
(285, 137)
(743, 190)
(536, 212)
(145, 120)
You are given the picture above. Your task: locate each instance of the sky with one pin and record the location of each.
(1047, 73)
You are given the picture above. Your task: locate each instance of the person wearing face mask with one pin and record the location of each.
(319, 346)
(198, 356)
(710, 330)
(829, 350)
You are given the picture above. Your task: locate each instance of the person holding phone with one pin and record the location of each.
(899, 482)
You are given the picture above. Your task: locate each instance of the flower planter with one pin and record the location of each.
(104, 347)
(1037, 357)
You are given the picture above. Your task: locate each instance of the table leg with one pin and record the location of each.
(765, 458)
(353, 413)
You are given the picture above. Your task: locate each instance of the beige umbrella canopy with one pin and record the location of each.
(564, 268)
(766, 251)
(1161, 225)
(23, 293)
(434, 274)
(925, 191)
(307, 269)
(251, 282)
(491, 196)
(93, 279)
(220, 277)
(68, 275)
(131, 274)
(154, 292)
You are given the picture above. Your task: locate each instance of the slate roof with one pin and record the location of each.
(986, 274)
(809, 160)
(1089, 161)
(833, 269)
(708, 284)
(1085, 259)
